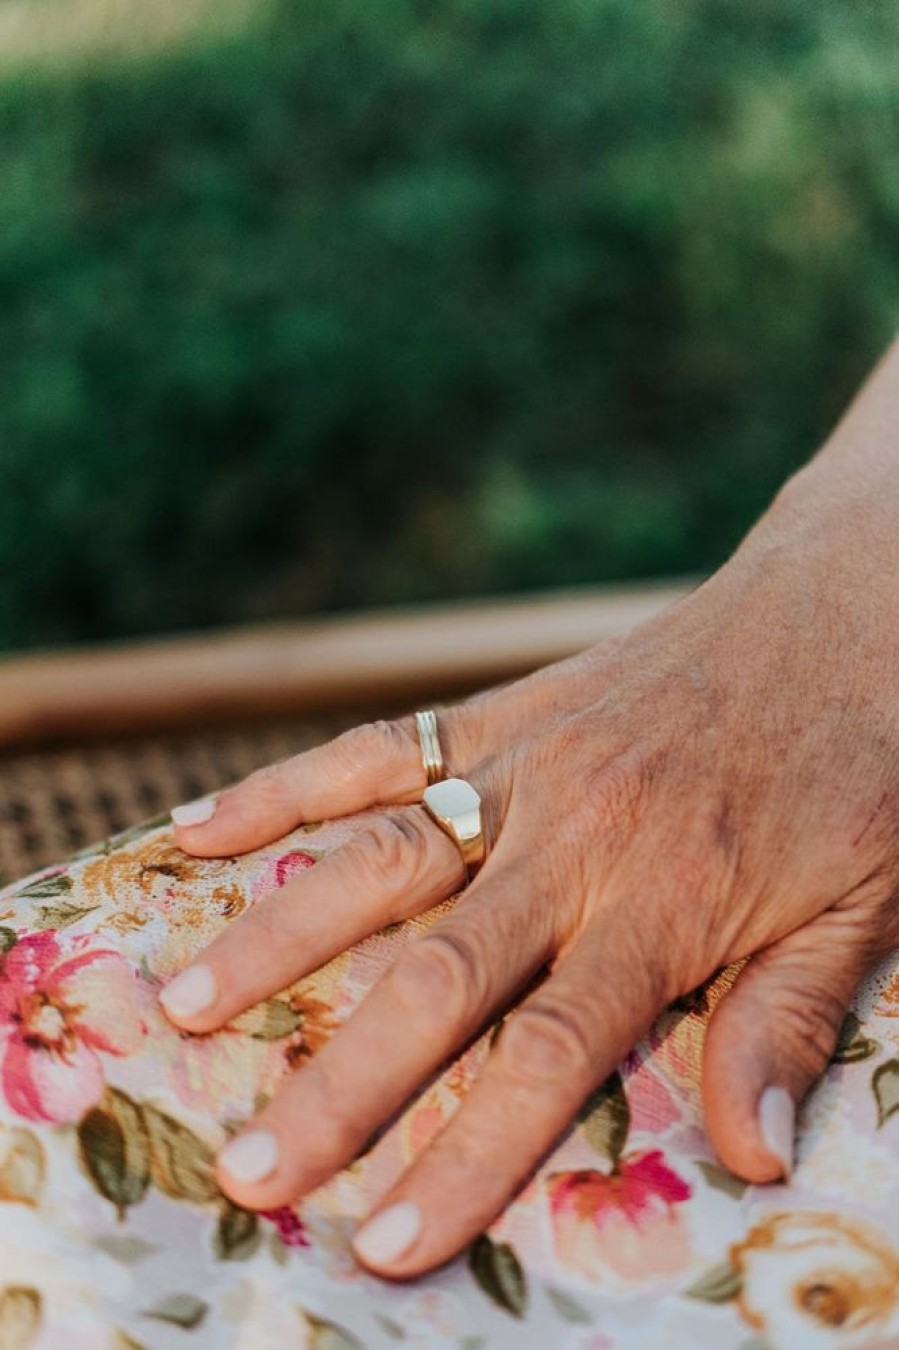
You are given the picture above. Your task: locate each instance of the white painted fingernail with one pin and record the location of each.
(194, 813)
(252, 1156)
(389, 1234)
(190, 992)
(777, 1123)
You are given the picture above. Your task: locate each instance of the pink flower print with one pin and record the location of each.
(424, 1123)
(56, 1012)
(292, 863)
(654, 1107)
(278, 871)
(289, 1225)
(626, 1222)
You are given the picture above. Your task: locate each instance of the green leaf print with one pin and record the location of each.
(183, 1310)
(605, 1118)
(568, 1307)
(720, 1179)
(8, 939)
(181, 1165)
(125, 1247)
(885, 1085)
(330, 1336)
(498, 1271)
(852, 1044)
(61, 916)
(237, 1236)
(720, 1284)
(46, 888)
(115, 1149)
(268, 1021)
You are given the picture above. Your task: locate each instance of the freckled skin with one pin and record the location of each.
(720, 785)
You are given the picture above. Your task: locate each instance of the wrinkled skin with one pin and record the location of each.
(722, 784)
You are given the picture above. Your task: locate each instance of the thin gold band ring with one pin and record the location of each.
(429, 740)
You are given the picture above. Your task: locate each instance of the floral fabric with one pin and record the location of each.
(114, 1234)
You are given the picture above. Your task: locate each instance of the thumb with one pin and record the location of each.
(772, 1036)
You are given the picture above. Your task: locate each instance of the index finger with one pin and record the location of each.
(371, 765)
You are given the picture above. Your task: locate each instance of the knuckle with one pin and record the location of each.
(380, 744)
(268, 786)
(264, 925)
(805, 1022)
(465, 1155)
(547, 1042)
(379, 739)
(559, 740)
(442, 972)
(811, 1027)
(873, 910)
(335, 1108)
(391, 843)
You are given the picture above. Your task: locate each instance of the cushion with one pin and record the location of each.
(114, 1233)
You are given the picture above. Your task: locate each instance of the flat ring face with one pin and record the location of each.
(453, 797)
(456, 807)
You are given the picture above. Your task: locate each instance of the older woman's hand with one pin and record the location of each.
(722, 784)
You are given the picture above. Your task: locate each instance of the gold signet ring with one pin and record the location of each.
(456, 808)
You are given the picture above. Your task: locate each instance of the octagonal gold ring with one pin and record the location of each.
(455, 806)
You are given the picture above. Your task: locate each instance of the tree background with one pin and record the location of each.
(355, 303)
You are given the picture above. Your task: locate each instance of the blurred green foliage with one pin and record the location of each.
(396, 300)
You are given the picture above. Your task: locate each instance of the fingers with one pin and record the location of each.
(373, 764)
(563, 1041)
(772, 1036)
(440, 991)
(399, 865)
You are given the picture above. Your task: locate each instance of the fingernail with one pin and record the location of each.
(777, 1123)
(194, 813)
(190, 992)
(252, 1156)
(389, 1234)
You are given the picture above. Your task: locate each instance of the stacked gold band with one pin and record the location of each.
(431, 756)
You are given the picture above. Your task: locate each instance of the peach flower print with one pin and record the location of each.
(626, 1221)
(57, 1010)
(816, 1281)
(889, 999)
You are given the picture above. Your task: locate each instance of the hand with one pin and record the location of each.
(720, 786)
